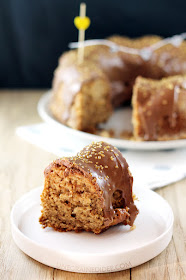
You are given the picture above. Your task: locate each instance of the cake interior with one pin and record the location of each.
(74, 102)
(73, 203)
(159, 108)
(92, 95)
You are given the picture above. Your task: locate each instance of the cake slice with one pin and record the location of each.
(159, 108)
(91, 191)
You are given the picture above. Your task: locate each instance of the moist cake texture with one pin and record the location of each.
(82, 97)
(159, 108)
(91, 191)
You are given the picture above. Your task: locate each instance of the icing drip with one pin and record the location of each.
(145, 53)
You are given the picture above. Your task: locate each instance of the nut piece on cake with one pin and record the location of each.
(91, 191)
(159, 108)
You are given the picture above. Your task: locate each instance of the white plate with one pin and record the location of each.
(120, 116)
(118, 248)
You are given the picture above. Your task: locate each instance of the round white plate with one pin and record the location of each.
(118, 248)
(119, 121)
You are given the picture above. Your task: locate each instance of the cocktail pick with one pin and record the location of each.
(82, 23)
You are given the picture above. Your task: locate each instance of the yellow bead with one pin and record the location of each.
(82, 22)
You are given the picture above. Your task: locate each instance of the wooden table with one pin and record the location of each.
(21, 169)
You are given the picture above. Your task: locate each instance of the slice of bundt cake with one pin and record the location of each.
(159, 108)
(91, 191)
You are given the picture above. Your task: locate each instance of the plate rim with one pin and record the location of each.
(121, 143)
(15, 228)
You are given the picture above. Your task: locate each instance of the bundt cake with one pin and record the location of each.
(159, 108)
(91, 191)
(84, 95)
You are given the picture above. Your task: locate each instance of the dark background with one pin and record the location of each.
(34, 33)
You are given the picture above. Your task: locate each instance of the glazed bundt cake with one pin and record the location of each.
(159, 108)
(84, 95)
(91, 191)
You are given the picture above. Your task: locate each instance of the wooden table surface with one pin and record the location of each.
(21, 169)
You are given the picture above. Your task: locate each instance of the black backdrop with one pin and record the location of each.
(33, 33)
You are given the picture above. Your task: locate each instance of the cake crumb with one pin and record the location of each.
(133, 227)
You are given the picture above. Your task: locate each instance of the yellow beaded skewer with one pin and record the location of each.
(82, 22)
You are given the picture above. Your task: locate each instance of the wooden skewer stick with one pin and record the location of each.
(81, 22)
(81, 35)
